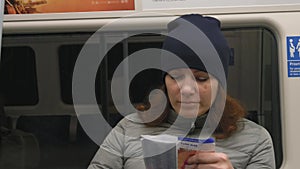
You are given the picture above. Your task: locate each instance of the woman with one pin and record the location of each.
(197, 100)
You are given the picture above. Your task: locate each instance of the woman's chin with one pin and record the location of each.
(191, 112)
(188, 113)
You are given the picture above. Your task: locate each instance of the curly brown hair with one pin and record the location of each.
(232, 113)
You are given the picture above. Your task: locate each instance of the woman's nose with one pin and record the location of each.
(188, 87)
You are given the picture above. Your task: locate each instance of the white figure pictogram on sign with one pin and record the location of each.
(298, 47)
(292, 48)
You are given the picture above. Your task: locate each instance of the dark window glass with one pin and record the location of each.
(146, 80)
(67, 58)
(18, 83)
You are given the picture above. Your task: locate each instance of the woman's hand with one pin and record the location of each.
(208, 160)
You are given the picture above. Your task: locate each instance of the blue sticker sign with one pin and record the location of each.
(293, 56)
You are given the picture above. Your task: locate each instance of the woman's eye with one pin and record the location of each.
(201, 79)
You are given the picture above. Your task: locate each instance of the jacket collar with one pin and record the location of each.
(186, 123)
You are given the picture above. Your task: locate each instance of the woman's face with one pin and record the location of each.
(191, 92)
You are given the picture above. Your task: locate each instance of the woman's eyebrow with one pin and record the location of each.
(197, 72)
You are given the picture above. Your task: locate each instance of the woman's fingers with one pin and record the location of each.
(208, 160)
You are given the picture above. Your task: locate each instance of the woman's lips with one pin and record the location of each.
(189, 104)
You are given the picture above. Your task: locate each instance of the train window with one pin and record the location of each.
(18, 81)
(67, 57)
(255, 64)
(147, 79)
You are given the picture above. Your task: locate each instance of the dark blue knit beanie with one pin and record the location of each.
(199, 42)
